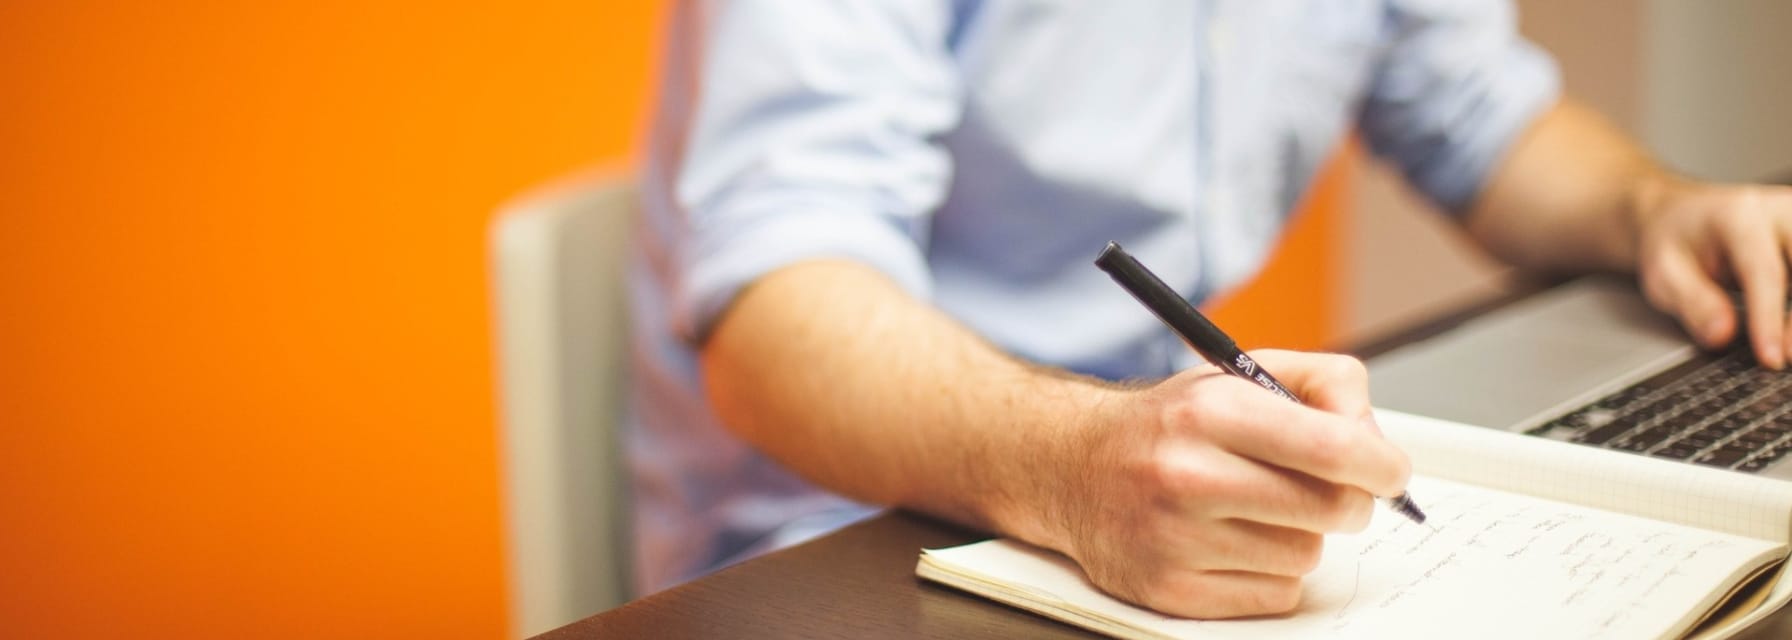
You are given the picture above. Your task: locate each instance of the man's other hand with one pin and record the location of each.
(1695, 238)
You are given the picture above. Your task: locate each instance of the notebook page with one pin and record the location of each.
(1687, 493)
(1496, 565)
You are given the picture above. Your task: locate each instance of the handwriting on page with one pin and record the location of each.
(1487, 555)
(1488, 565)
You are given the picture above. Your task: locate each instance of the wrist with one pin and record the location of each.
(1059, 454)
(1647, 196)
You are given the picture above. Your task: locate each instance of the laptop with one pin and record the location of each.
(1591, 362)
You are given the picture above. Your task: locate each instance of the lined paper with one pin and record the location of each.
(1495, 565)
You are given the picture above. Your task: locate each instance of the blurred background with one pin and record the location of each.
(246, 358)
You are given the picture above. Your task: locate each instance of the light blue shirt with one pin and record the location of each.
(980, 154)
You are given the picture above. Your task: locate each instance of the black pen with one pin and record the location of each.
(1207, 339)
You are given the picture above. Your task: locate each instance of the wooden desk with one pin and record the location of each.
(860, 582)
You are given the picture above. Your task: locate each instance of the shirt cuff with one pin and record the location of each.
(723, 261)
(1520, 91)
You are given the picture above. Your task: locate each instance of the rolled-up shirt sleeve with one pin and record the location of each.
(1456, 88)
(816, 135)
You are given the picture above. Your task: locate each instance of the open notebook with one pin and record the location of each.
(1533, 538)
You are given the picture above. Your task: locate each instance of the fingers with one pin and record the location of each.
(1244, 545)
(1226, 568)
(1783, 230)
(1232, 487)
(1222, 492)
(1755, 257)
(1325, 381)
(1308, 504)
(1324, 445)
(1711, 230)
(1220, 594)
(1256, 547)
(1674, 282)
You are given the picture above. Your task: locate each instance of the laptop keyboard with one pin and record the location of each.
(1722, 412)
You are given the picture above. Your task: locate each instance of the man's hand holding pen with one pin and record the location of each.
(1206, 497)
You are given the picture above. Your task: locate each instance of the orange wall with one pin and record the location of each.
(245, 372)
(1296, 301)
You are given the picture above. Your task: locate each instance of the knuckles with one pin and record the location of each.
(1740, 218)
(1345, 368)
(1746, 209)
(1177, 476)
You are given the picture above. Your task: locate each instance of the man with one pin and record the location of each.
(864, 275)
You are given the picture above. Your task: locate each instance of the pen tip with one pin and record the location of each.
(1403, 503)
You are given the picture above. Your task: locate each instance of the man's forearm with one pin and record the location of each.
(1575, 194)
(1200, 495)
(1567, 195)
(839, 375)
